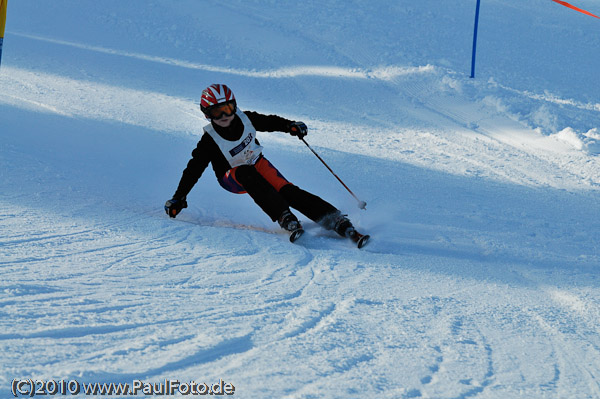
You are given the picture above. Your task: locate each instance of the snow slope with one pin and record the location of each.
(482, 278)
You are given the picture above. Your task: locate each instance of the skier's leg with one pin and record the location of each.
(271, 174)
(275, 179)
(263, 193)
(316, 209)
(312, 206)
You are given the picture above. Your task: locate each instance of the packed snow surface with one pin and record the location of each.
(482, 279)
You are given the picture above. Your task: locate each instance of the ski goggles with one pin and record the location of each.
(220, 110)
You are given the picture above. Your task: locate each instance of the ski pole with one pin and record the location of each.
(361, 204)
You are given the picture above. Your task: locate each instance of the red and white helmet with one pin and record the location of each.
(214, 95)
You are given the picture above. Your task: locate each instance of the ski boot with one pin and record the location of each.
(345, 228)
(290, 223)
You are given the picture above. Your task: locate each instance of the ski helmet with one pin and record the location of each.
(214, 95)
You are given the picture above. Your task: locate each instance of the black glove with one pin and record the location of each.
(174, 206)
(298, 129)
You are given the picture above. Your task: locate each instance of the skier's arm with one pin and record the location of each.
(268, 123)
(275, 123)
(195, 167)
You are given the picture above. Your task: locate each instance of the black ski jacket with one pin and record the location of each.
(207, 151)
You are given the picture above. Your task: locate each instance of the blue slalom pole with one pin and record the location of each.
(475, 40)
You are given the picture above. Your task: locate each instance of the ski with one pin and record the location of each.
(295, 234)
(359, 239)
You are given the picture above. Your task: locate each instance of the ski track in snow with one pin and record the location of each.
(480, 281)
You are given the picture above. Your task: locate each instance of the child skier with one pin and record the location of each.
(229, 143)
